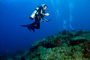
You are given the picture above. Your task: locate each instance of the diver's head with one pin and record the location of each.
(44, 6)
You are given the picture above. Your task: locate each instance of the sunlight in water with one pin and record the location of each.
(52, 2)
(71, 27)
(58, 13)
(70, 16)
(64, 24)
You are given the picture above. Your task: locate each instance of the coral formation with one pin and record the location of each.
(65, 45)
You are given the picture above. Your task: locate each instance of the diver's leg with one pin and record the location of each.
(36, 19)
(38, 25)
(33, 23)
(37, 22)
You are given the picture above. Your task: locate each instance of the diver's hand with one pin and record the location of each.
(47, 14)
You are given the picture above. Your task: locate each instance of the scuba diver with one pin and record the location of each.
(39, 14)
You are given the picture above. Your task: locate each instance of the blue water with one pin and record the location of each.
(65, 14)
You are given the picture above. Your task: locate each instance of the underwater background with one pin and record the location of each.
(65, 14)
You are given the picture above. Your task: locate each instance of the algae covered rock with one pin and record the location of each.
(77, 40)
(65, 45)
(62, 46)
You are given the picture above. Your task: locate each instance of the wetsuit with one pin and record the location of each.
(39, 15)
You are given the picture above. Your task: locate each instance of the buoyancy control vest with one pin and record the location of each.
(37, 12)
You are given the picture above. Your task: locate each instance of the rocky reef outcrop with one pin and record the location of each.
(65, 45)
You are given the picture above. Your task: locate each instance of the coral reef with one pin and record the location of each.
(65, 45)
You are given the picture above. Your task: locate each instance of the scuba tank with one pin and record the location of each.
(34, 13)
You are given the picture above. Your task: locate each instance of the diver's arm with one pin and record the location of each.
(47, 14)
(42, 12)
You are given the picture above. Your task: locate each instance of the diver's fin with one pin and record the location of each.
(29, 27)
(32, 28)
(24, 25)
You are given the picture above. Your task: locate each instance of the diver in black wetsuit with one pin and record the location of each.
(39, 14)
